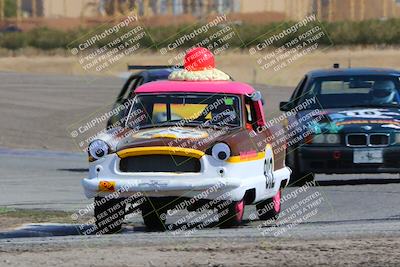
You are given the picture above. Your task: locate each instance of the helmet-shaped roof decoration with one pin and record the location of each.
(199, 58)
(199, 65)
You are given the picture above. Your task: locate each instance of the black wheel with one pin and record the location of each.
(269, 209)
(109, 215)
(230, 214)
(154, 216)
(297, 178)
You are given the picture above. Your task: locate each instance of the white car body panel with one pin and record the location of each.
(232, 184)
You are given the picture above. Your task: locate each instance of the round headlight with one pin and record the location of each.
(397, 138)
(318, 139)
(326, 139)
(221, 151)
(332, 138)
(98, 149)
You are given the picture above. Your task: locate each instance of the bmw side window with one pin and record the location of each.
(138, 82)
(299, 91)
(125, 92)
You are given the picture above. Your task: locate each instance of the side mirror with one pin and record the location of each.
(285, 106)
(256, 96)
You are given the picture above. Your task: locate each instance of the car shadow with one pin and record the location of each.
(44, 230)
(361, 181)
(357, 182)
(54, 229)
(74, 170)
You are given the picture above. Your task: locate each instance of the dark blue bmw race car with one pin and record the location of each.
(349, 121)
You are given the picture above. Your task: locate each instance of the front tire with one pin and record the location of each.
(231, 215)
(269, 209)
(297, 177)
(109, 215)
(154, 217)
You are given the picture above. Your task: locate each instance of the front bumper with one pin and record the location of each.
(340, 160)
(219, 180)
(158, 186)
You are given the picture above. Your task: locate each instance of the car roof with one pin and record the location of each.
(155, 74)
(224, 87)
(352, 71)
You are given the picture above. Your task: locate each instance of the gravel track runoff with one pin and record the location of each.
(354, 219)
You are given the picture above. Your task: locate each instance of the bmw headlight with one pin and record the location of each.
(221, 151)
(397, 138)
(98, 149)
(330, 139)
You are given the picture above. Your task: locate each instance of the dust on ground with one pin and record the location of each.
(373, 251)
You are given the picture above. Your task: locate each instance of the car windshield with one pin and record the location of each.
(354, 91)
(158, 110)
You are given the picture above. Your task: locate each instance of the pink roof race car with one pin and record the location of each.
(197, 141)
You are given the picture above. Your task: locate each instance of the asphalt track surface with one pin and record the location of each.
(350, 205)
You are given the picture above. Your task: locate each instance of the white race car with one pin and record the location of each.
(191, 145)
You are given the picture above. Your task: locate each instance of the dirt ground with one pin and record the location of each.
(375, 251)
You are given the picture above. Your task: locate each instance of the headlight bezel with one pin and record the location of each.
(221, 151)
(96, 145)
(397, 138)
(326, 139)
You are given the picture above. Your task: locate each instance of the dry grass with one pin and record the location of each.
(239, 64)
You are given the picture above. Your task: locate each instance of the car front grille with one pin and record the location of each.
(379, 139)
(159, 163)
(372, 140)
(357, 139)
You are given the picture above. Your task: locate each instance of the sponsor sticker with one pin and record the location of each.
(229, 101)
(107, 186)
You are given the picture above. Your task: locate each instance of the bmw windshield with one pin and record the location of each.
(354, 91)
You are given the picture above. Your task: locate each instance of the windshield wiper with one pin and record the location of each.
(190, 124)
(211, 125)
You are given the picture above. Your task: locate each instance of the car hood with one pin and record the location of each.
(354, 120)
(184, 137)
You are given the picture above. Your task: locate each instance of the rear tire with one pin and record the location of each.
(270, 208)
(231, 215)
(154, 216)
(109, 215)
